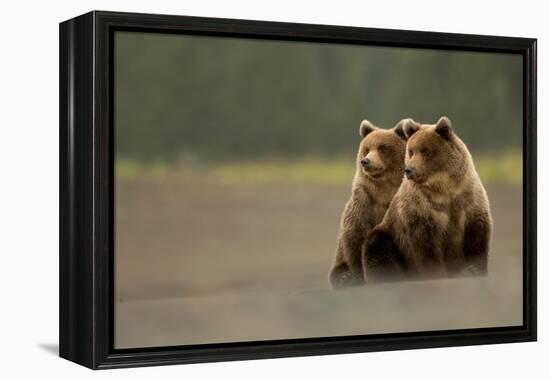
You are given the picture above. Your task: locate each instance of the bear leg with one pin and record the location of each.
(477, 235)
(382, 259)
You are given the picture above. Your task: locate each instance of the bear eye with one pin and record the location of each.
(410, 152)
(425, 152)
(382, 148)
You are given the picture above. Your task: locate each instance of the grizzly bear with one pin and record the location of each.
(439, 223)
(378, 173)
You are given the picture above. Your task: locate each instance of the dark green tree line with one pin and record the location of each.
(205, 98)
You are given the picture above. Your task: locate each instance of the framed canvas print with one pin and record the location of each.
(236, 189)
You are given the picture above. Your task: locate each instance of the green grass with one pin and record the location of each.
(499, 167)
(129, 170)
(310, 170)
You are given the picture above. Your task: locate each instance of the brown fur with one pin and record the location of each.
(439, 222)
(372, 190)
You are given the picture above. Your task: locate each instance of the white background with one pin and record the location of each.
(29, 175)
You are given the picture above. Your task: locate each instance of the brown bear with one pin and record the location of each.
(378, 173)
(439, 222)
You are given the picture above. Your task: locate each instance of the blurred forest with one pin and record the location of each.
(211, 100)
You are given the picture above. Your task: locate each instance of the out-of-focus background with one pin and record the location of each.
(234, 159)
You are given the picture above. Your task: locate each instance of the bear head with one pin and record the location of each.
(435, 155)
(381, 152)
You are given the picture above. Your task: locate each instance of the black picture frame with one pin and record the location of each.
(87, 186)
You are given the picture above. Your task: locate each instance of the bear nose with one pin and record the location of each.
(408, 171)
(365, 162)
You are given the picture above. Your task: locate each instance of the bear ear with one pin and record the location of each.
(366, 128)
(399, 131)
(408, 127)
(444, 128)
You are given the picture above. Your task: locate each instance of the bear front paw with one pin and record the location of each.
(344, 279)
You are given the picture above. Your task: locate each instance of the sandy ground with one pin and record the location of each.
(201, 262)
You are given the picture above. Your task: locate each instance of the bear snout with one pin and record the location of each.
(408, 171)
(365, 162)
